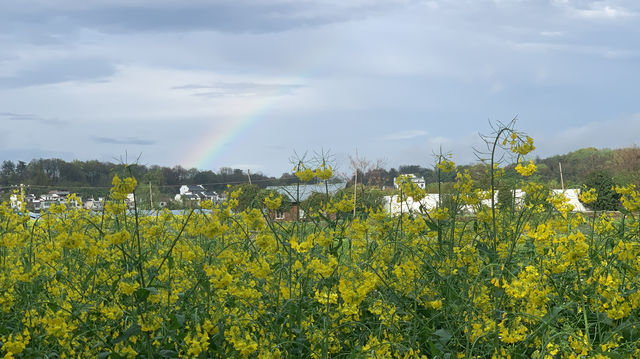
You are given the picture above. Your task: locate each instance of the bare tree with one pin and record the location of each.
(359, 166)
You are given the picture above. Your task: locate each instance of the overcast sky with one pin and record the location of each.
(248, 83)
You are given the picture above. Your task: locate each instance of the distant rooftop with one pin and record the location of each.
(306, 190)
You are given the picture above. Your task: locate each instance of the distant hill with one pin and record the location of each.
(622, 164)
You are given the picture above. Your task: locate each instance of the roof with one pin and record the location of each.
(195, 188)
(306, 190)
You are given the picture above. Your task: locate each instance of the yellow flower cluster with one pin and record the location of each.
(527, 170)
(629, 196)
(273, 202)
(519, 145)
(446, 165)
(543, 282)
(588, 196)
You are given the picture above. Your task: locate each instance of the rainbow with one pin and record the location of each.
(217, 140)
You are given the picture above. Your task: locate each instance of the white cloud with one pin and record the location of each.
(615, 133)
(596, 10)
(552, 33)
(405, 135)
(605, 12)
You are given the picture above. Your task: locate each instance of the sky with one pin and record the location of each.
(257, 84)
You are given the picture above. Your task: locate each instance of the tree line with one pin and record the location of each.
(593, 166)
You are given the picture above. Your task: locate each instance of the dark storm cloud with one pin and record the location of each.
(60, 70)
(123, 141)
(10, 116)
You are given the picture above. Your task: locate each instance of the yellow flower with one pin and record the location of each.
(345, 205)
(272, 202)
(121, 189)
(117, 237)
(127, 288)
(589, 196)
(441, 213)
(15, 344)
(446, 165)
(324, 173)
(527, 170)
(521, 147)
(303, 173)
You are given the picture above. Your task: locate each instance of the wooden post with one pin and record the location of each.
(150, 196)
(249, 175)
(355, 185)
(561, 179)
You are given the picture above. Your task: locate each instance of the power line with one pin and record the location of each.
(162, 186)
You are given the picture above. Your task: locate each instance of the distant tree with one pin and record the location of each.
(248, 197)
(8, 168)
(505, 195)
(21, 168)
(369, 198)
(7, 172)
(608, 199)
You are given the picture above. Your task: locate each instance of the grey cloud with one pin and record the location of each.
(239, 89)
(123, 141)
(60, 70)
(27, 154)
(224, 16)
(10, 116)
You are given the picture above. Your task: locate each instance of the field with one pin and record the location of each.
(534, 281)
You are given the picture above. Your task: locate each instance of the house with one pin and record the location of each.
(15, 201)
(45, 201)
(419, 181)
(94, 205)
(297, 194)
(196, 194)
(185, 189)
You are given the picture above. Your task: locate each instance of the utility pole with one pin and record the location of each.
(561, 179)
(249, 175)
(355, 184)
(150, 196)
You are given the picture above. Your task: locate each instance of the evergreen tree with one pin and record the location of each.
(608, 199)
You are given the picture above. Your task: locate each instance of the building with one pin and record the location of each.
(94, 205)
(45, 201)
(296, 194)
(419, 181)
(196, 194)
(394, 207)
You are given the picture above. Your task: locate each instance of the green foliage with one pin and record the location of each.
(248, 197)
(608, 199)
(367, 198)
(505, 196)
(315, 201)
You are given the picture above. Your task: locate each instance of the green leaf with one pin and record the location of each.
(168, 353)
(176, 321)
(444, 335)
(131, 331)
(143, 293)
(432, 226)
(614, 355)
